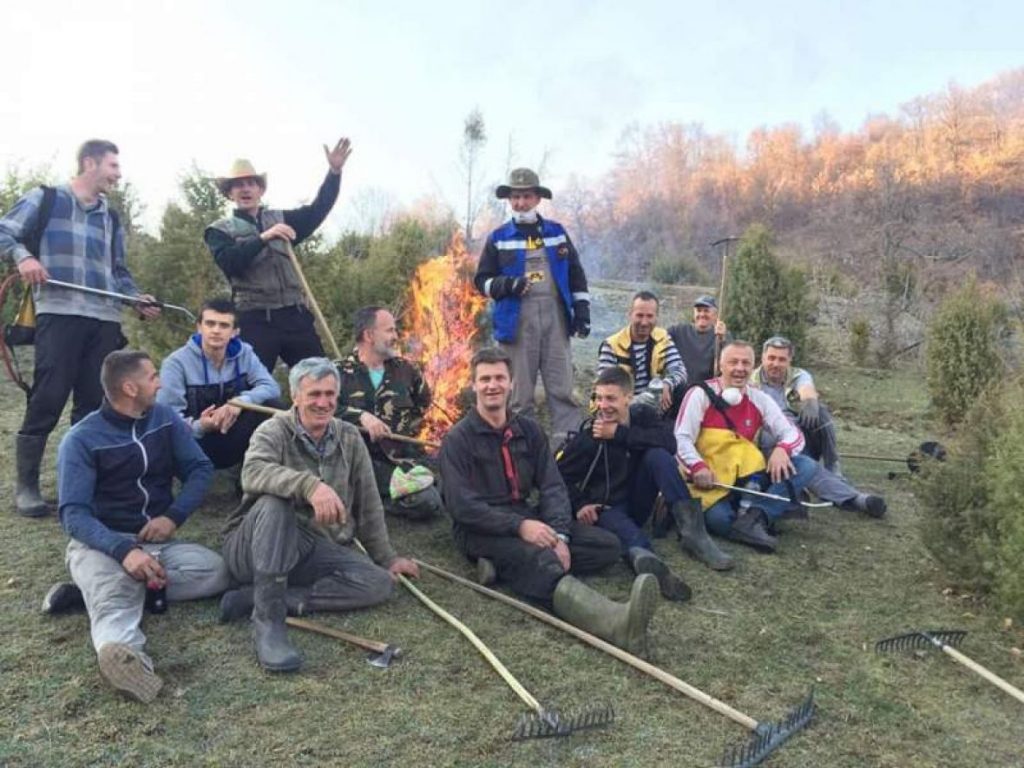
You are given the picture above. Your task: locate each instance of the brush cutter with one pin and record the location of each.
(775, 496)
(542, 722)
(767, 736)
(122, 297)
(271, 411)
(928, 450)
(944, 640)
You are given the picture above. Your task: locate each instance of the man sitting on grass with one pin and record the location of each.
(309, 492)
(793, 391)
(715, 433)
(115, 470)
(493, 463)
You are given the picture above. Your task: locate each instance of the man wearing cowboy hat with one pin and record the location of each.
(530, 268)
(250, 248)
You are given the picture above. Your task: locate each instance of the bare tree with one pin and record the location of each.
(474, 136)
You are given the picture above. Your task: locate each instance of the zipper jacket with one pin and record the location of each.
(114, 474)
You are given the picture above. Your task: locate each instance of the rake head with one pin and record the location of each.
(769, 737)
(550, 723)
(914, 641)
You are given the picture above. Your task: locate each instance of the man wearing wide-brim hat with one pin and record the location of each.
(531, 270)
(250, 248)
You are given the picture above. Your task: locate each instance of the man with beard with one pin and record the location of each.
(493, 464)
(646, 352)
(530, 268)
(715, 433)
(386, 395)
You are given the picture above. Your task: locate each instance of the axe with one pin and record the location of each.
(381, 653)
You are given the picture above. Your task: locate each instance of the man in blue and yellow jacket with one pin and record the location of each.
(530, 268)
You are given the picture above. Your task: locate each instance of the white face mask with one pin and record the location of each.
(525, 217)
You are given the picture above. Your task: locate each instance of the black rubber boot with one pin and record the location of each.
(694, 538)
(751, 528)
(672, 587)
(270, 609)
(621, 624)
(28, 455)
(237, 604)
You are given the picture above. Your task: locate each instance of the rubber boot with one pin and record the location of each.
(270, 609)
(672, 587)
(751, 528)
(694, 538)
(621, 624)
(237, 604)
(28, 455)
(486, 573)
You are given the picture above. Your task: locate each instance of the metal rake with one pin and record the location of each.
(767, 736)
(944, 640)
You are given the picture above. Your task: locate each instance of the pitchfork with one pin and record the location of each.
(944, 640)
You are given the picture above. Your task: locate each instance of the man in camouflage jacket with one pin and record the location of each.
(385, 394)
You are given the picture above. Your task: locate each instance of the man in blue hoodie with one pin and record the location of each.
(214, 367)
(115, 471)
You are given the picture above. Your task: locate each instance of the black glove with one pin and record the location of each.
(581, 318)
(810, 413)
(504, 286)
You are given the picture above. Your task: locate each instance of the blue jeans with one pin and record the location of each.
(720, 516)
(657, 471)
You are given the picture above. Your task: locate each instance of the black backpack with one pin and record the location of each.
(33, 239)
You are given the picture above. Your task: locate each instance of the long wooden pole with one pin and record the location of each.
(974, 666)
(312, 302)
(658, 674)
(338, 634)
(271, 411)
(721, 307)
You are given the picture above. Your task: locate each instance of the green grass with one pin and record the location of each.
(758, 638)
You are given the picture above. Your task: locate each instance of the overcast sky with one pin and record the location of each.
(177, 83)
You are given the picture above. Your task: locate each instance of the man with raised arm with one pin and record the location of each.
(250, 247)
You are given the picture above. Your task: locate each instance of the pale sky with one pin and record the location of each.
(177, 83)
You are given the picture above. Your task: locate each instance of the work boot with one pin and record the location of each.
(63, 597)
(237, 604)
(672, 587)
(751, 528)
(28, 455)
(621, 624)
(126, 669)
(872, 506)
(694, 538)
(486, 573)
(270, 608)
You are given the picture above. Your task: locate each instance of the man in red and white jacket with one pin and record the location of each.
(715, 436)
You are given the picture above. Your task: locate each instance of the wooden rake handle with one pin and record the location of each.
(313, 305)
(634, 661)
(992, 677)
(486, 652)
(271, 411)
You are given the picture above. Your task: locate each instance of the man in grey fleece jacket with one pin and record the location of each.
(309, 493)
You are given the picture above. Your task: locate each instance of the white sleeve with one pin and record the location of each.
(691, 415)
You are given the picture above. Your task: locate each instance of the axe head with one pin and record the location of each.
(383, 659)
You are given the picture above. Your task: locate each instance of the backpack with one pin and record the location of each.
(33, 239)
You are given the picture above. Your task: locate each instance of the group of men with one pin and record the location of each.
(318, 479)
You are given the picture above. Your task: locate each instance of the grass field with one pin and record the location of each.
(759, 638)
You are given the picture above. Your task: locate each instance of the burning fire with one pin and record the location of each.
(441, 331)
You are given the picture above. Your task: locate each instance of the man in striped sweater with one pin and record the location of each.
(715, 434)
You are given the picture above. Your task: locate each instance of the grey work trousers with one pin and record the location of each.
(542, 346)
(821, 441)
(114, 599)
(270, 541)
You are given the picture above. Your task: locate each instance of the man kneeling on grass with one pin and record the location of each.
(309, 493)
(115, 469)
(715, 433)
(614, 467)
(492, 463)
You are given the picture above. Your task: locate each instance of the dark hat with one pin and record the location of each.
(706, 301)
(519, 179)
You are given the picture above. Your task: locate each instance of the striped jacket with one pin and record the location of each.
(79, 245)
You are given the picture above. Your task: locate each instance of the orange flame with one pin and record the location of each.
(441, 331)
